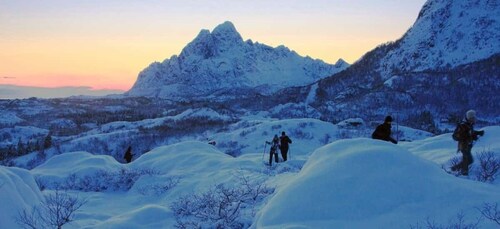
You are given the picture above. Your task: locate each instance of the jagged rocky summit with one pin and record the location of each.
(222, 62)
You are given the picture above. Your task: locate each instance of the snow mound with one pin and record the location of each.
(192, 156)
(59, 167)
(362, 182)
(441, 148)
(18, 191)
(148, 216)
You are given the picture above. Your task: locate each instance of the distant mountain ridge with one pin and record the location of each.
(221, 61)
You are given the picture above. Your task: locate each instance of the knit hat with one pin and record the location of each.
(471, 114)
(388, 119)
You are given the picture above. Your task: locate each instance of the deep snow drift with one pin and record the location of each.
(361, 183)
(18, 191)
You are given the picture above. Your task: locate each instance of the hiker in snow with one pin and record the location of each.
(383, 131)
(274, 147)
(284, 141)
(466, 135)
(128, 154)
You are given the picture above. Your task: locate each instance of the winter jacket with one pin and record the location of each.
(285, 140)
(383, 132)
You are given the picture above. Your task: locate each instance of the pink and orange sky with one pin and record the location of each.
(105, 44)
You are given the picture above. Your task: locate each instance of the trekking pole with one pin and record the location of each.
(263, 153)
(397, 127)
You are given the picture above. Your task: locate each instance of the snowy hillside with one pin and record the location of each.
(447, 34)
(328, 182)
(221, 61)
(444, 65)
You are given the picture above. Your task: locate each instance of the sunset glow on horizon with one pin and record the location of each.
(105, 44)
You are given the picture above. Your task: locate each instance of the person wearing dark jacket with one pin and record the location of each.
(284, 140)
(383, 131)
(467, 136)
(274, 149)
(128, 154)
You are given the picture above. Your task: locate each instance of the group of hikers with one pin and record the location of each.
(279, 143)
(464, 134)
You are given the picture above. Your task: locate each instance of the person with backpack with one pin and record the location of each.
(383, 131)
(284, 140)
(466, 135)
(273, 151)
(128, 155)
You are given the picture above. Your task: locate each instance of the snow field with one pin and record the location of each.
(353, 183)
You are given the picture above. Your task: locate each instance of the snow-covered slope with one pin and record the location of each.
(220, 60)
(445, 64)
(356, 183)
(447, 34)
(349, 185)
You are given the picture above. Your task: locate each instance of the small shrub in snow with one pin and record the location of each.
(489, 166)
(120, 180)
(325, 139)
(40, 183)
(245, 132)
(491, 212)
(305, 124)
(299, 134)
(458, 223)
(451, 163)
(158, 189)
(56, 210)
(221, 206)
(344, 134)
(276, 127)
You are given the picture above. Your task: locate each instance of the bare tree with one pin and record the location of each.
(222, 206)
(458, 223)
(29, 219)
(489, 166)
(453, 162)
(491, 212)
(56, 210)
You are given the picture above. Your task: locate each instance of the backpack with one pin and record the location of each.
(459, 133)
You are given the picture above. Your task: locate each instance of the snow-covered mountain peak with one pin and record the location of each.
(220, 61)
(341, 63)
(447, 34)
(209, 44)
(226, 32)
